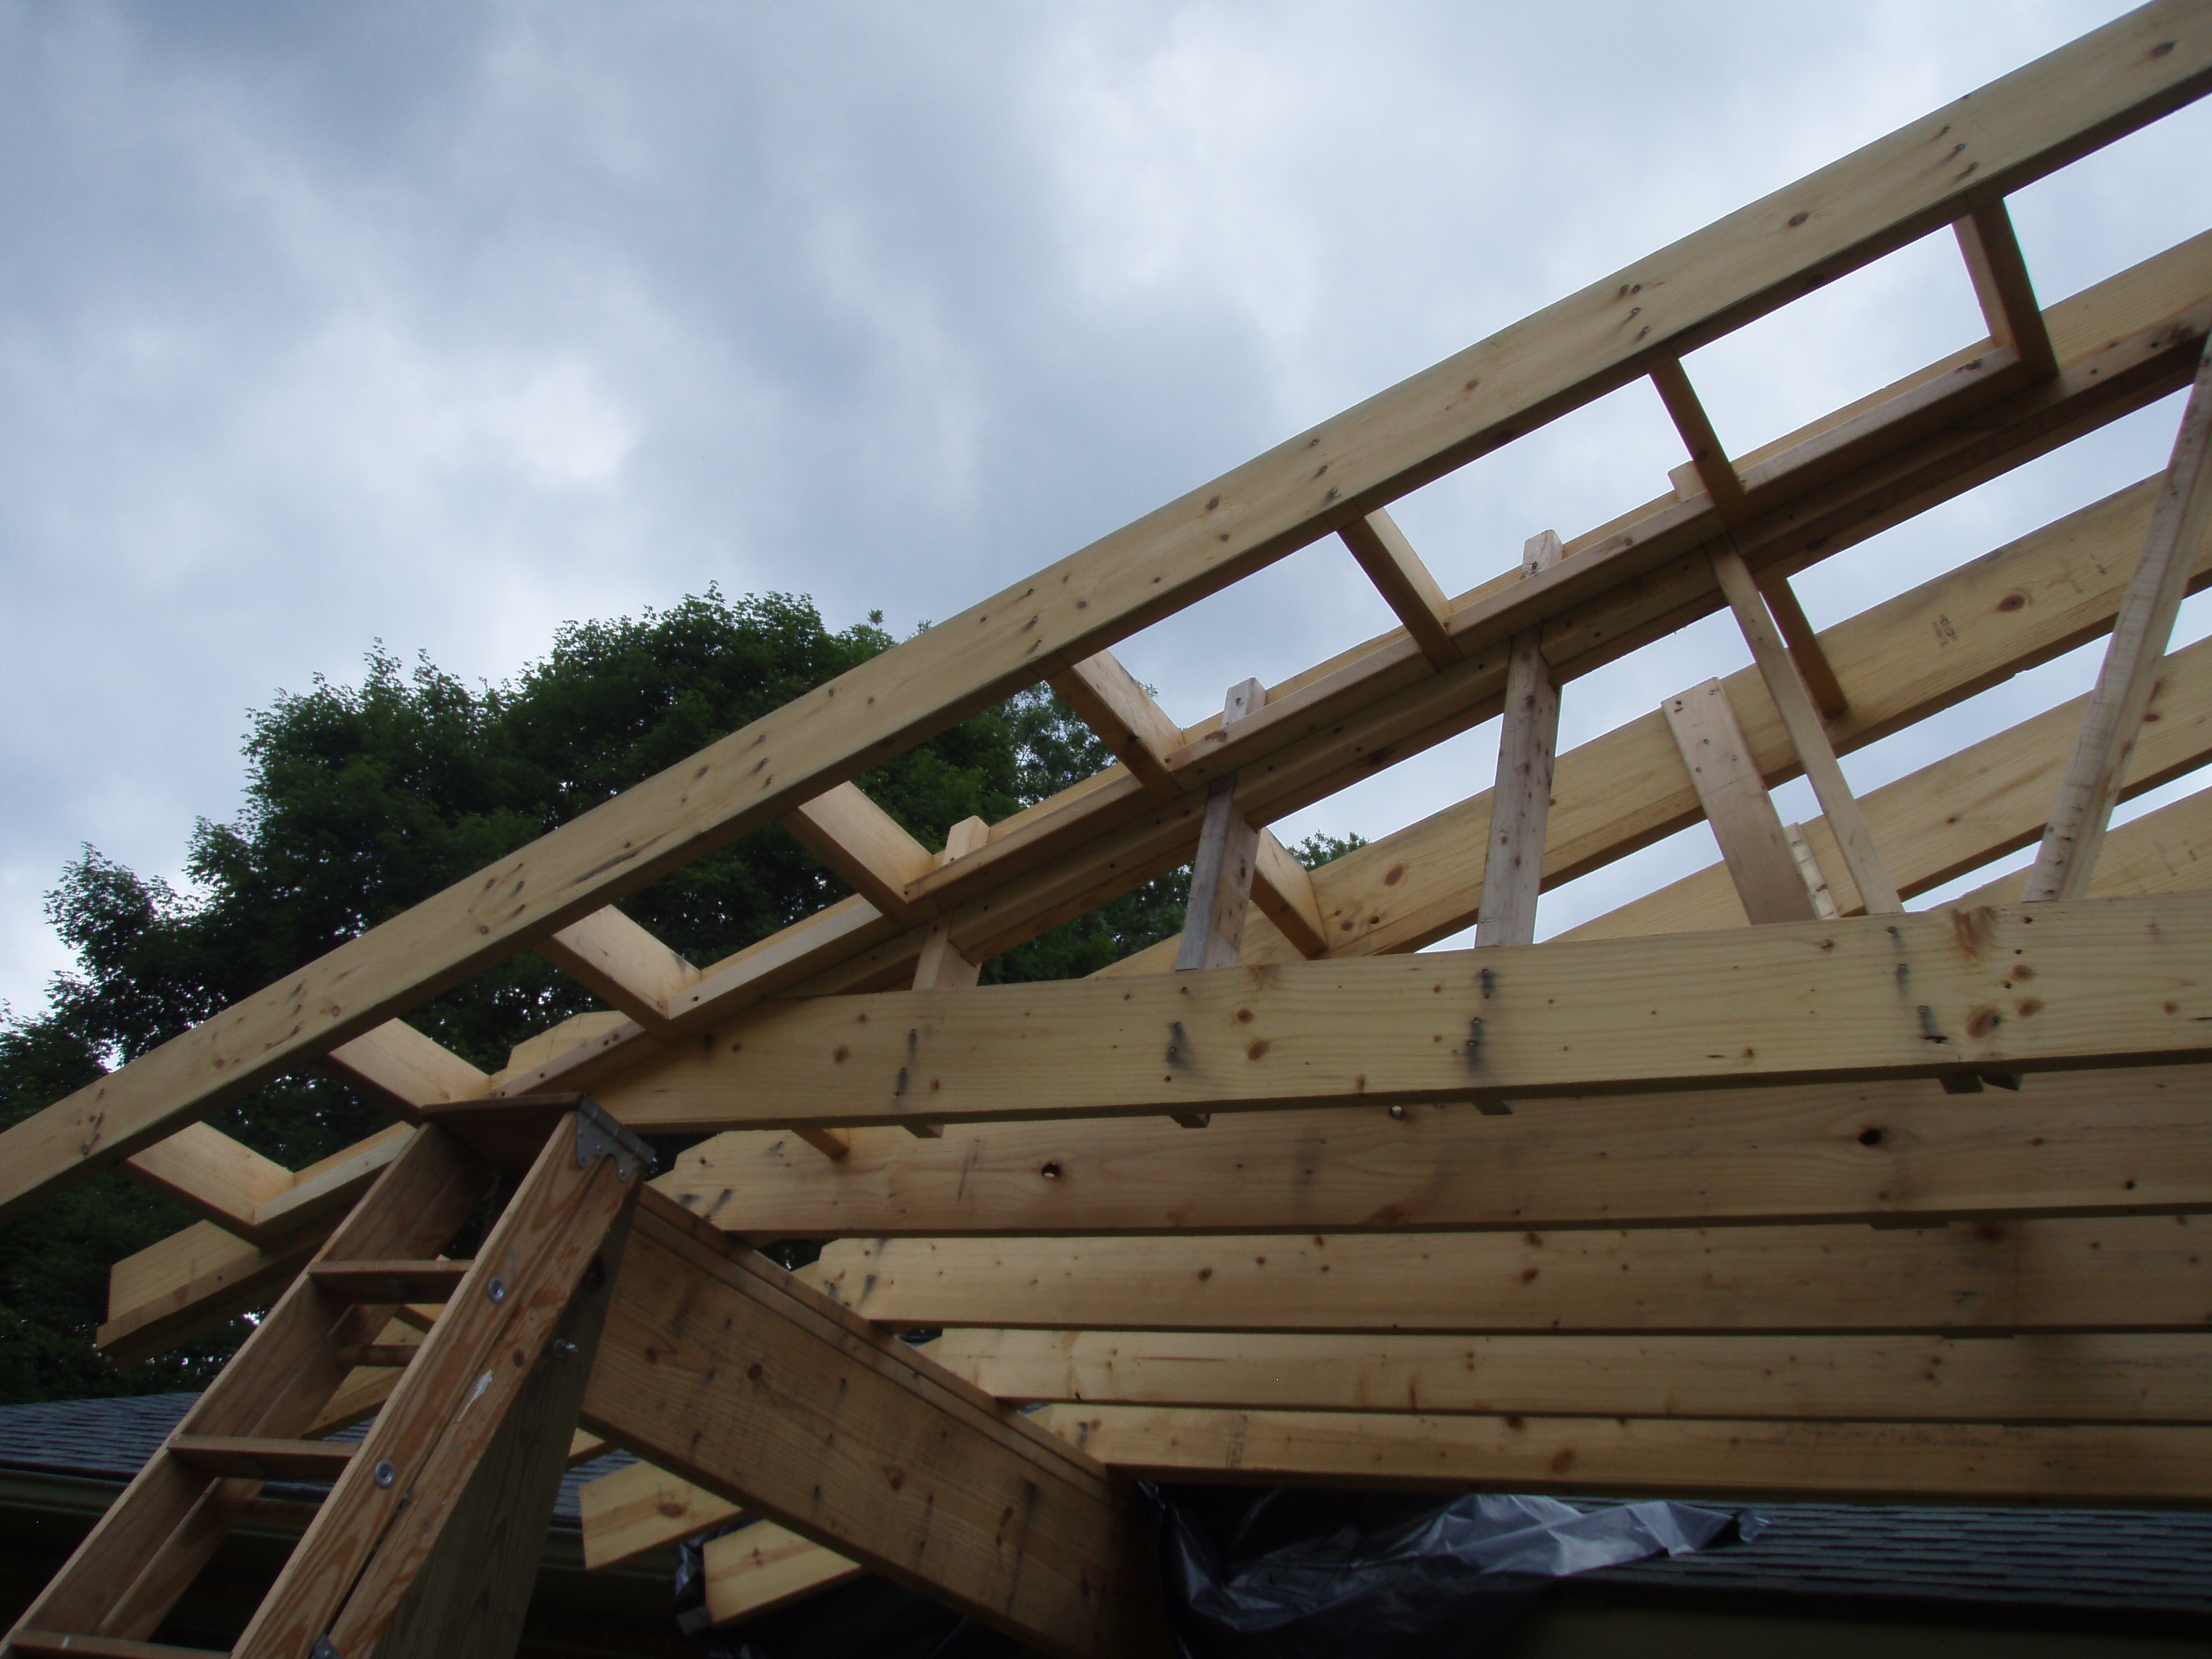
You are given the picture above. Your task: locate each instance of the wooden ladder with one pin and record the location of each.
(447, 1495)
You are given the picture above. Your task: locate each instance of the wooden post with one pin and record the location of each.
(1521, 799)
(2068, 856)
(2002, 287)
(1755, 845)
(1221, 874)
(940, 967)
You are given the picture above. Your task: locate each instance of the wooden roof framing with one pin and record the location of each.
(1589, 1214)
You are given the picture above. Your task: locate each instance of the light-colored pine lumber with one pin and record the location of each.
(1956, 1464)
(2178, 528)
(1228, 850)
(2030, 1378)
(1807, 735)
(1520, 799)
(396, 1065)
(1959, 812)
(2117, 981)
(1404, 582)
(1755, 846)
(1282, 889)
(2073, 1143)
(642, 1507)
(620, 963)
(1708, 457)
(724, 1369)
(2104, 1274)
(192, 1282)
(940, 967)
(2002, 287)
(330, 1185)
(865, 845)
(1124, 717)
(2038, 118)
(761, 1567)
(1809, 867)
(221, 1179)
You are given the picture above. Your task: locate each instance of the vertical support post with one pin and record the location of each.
(1221, 873)
(940, 967)
(2001, 286)
(1755, 845)
(1520, 799)
(2076, 830)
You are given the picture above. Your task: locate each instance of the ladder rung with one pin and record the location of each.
(258, 1459)
(377, 1353)
(105, 1647)
(391, 1281)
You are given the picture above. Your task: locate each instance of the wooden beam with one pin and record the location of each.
(2076, 1143)
(1807, 734)
(218, 1178)
(1283, 889)
(2106, 1274)
(865, 845)
(1804, 642)
(397, 1067)
(1123, 716)
(2117, 981)
(192, 1282)
(1404, 582)
(1755, 847)
(2002, 288)
(2038, 118)
(940, 967)
(2177, 531)
(1521, 799)
(1707, 455)
(1221, 874)
(620, 963)
(642, 1507)
(760, 1568)
(1957, 1463)
(719, 1367)
(2030, 1378)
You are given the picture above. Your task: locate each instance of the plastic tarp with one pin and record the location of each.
(1253, 1574)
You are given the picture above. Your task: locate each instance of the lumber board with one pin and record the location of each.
(1123, 716)
(2070, 1143)
(1954, 1464)
(1404, 582)
(642, 1507)
(2030, 988)
(1808, 735)
(1756, 850)
(192, 1282)
(218, 1178)
(1708, 461)
(620, 963)
(864, 844)
(329, 1186)
(2035, 1377)
(2003, 287)
(1528, 742)
(1228, 850)
(2180, 525)
(394, 1064)
(2105, 1273)
(1282, 889)
(761, 1567)
(722, 1369)
(1956, 814)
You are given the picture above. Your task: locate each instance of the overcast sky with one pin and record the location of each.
(443, 323)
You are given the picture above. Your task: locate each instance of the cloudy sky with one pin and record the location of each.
(442, 324)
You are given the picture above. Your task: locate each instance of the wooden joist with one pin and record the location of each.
(2038, 987)
(620, 963)
(2002, 287)
(2030, 1378)
(2019, 128)
(2106, 1274)
(2178, 530)
(719, 1367)
(2073, 1143)
(1866, 1463)
(1123, 716)
(1404, 584)
(865, 845)
(761, 1567)
(639, 1507)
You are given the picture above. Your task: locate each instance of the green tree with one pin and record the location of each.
(361, 800)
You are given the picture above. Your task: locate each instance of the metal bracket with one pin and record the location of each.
(598, 1136)
(323, 1650)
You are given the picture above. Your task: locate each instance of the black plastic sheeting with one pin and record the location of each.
(1253, 1574)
